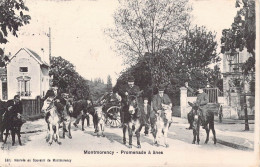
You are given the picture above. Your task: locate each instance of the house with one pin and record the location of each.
(236, 87)
(236, 95)
(3, 84)
(27, 75)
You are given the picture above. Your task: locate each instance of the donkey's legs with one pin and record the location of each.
(103, 129)
(82, 122)
(211, 126)
(165, 134)
(130, 134)
(1, 135)
(6, 135)
(51, 133)
(69, 129)
(124, 131)
(137, 132)
(63, 129)
(48, 133)
(13, 132)
(194, 135)
(154, 132)
(18, 132)
(198, 134)
(207, 132)
(57, 133)
(158, 135)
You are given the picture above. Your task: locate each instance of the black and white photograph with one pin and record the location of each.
(129, 83)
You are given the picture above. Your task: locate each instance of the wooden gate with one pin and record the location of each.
(213, 94)
(32, 107)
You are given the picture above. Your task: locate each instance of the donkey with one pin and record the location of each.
(100, 121)
(132, 121)
(199, 118)
(68, 110)
(161, 124)
(52, 120)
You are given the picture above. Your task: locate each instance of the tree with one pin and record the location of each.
(11, 18)
(67, 79)
(174, 66)
(109, 83)
(147, 26)
(242, 33)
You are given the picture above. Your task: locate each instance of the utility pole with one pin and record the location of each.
(49, 45)
(245, 105)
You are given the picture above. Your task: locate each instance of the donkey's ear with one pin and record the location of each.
(140, 92)
(191, 104)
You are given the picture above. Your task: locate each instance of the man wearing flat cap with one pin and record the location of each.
(160, 99)
(124, 92)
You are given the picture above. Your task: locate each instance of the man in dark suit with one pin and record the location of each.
(158, 101)
(202, 101)
(13, 118)
(160, 98)
(124, 92)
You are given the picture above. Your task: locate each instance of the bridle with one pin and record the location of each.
(132, 99)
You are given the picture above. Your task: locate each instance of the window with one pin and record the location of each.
(24, 86)
(23, 69)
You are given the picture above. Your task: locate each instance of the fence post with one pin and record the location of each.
(38, 104)
(183, 102)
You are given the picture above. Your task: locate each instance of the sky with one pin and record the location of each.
(77, 31)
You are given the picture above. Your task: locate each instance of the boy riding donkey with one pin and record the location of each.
(59, 102)
(202, 101)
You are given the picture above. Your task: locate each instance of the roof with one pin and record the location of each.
(34, 55)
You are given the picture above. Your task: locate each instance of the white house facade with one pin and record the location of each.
(27, 75)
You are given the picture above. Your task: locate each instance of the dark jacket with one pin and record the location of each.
(158, 101)
(11, 119)
(131, 91)
(62, 102)
(15, 107)
(202, 98)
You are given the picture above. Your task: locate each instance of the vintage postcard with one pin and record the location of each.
(129, 82)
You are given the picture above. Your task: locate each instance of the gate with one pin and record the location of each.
(213, 94)
(32, 107)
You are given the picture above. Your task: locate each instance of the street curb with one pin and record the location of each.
(235, 146)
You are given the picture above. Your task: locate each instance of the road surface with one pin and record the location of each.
(86, 149)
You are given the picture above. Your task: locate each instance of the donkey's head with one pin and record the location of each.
(99, 112)
(132, 104)
(69, 106)
(195, 107)
(48, 104)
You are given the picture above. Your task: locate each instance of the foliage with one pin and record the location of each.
(109, 83)
(11, 18)
(173, 67)
(148, 26)
(98, 89)
(67, 79)
(242, 33)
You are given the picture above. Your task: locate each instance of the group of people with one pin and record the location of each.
(157, 101)
(149, 109)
